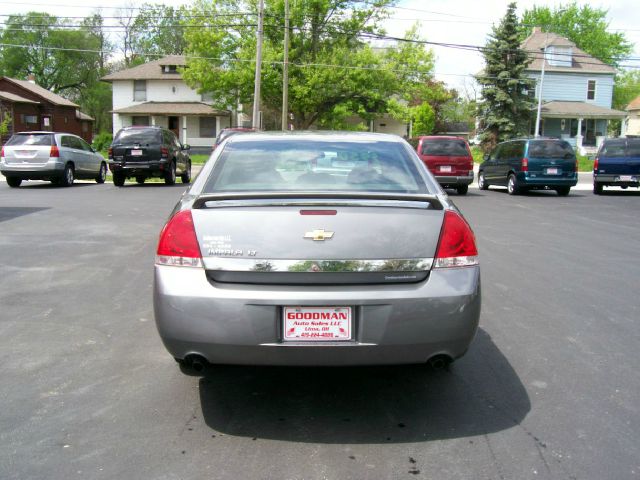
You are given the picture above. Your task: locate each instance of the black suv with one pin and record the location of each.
(144, 152)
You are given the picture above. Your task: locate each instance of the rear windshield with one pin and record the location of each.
(445, 148)
(312, 166)
(621, 148)
(135, 136)
(35, 139)
(550, 149)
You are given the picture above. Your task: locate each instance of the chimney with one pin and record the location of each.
(31, 78)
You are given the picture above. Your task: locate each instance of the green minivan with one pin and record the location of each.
(529, 164)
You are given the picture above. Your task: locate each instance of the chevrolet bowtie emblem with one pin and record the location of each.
(318, 235)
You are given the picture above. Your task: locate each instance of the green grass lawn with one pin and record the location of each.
(199, 159)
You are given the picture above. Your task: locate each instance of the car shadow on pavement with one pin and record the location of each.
(9, 213)
(480, 394)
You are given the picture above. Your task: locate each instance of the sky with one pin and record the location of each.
(445, 21)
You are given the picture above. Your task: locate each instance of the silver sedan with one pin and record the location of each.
(57, 157)
(316, 249)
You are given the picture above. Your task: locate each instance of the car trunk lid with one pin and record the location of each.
(324, 242)
(26, 154)
(448, 165)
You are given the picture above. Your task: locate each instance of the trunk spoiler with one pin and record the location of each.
(315, 198)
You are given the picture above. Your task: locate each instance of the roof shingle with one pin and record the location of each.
(582, 62)
(149, 71)
(43, 92)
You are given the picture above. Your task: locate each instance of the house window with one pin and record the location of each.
(559, 56)
(140, 121)
(170, 69)
(139, 90)
(29, 119)
(207, 127)
(591, 90)
(206, 97)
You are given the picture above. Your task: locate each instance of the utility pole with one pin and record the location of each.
(256, 91)
(285, 70)
(544, 61)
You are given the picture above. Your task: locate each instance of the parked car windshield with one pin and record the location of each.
(137, 136)
(303, 165)
(621, 148)
(35, 139)
(445, 147)
(550, 149)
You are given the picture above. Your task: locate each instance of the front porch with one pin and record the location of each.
(583, 125)
(194, 123)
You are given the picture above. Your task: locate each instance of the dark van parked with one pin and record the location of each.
(528, 164)
(449, 160)
(144, 152)
(617, 164)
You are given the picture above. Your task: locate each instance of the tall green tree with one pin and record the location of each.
(584, 25)
(505, 108)
(46, 47)
(626, 88)
(159, 30)
(334, 71)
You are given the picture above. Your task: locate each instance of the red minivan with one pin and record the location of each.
(449, 160)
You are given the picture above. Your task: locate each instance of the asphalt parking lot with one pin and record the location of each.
(549, 388)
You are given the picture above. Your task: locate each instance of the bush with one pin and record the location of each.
(102, 141)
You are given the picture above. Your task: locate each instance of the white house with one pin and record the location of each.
(632, 122)
(154, 93)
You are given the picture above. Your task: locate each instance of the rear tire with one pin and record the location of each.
(67, 176)
(512, 185)
(597, 188)
(482, 182)
(462, 189)
(186, 175)
(118, 179)
(170, 174)
(140, 179)
(563, 191)
(102, 174)
(14, 182)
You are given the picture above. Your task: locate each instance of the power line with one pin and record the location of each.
(271, 62)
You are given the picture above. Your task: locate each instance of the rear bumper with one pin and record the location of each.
(242, 324)
(536, 179)
(152, 168)
(25, 171)
(450, 180)
(613, 180)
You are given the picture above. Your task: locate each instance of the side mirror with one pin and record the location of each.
(186, 146)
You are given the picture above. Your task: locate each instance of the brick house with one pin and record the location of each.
(33, 108)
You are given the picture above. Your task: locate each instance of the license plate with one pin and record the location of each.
(136, 153)
(445, 168)
(552, 171)
(627, 178)
(317, 324)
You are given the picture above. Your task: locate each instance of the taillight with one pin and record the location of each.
(178, 245)
(55, 152)
(595, 164)
(164, 152)
(525, 165)
(110, 153)
(457, 245)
